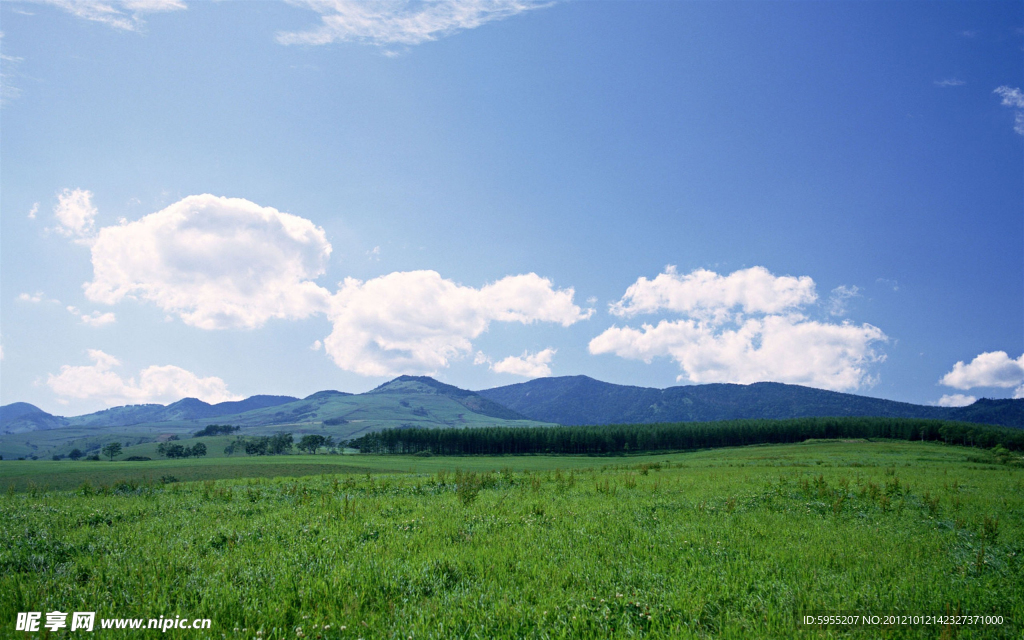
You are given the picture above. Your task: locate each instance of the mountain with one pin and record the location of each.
(19, 417)
(184, 409)
(572, 400)
(469, 399)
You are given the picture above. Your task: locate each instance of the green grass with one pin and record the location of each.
(730, 543)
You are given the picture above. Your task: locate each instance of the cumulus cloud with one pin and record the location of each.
(75, 214)
(125, 15)
(840, 298)
(401, 22)
(417, 321)
(990, 369)
(215, 262)
(955, 400)
(161, 384)
(742, 328)
(1013, 97)
(33, 211)
(527, 365)
(707, 294)
(34, 298)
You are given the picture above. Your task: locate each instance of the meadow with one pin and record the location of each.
(725, 543)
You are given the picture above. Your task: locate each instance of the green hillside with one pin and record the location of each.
(402, 403)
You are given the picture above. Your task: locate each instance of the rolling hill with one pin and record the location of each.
(407, 401)
(574, 400)
(19, 417)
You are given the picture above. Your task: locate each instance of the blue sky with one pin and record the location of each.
(224, 199)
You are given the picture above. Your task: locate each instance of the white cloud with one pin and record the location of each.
(33, 211)
(417, 321)
(709, 295)
(1014, 98)
(126, 15)
(215, 262)
(1018, 393)
(316, 346)
(401, 22)
(527, 365)
(955, 400)
(75, 213)
(97, 319)
(990, 369)
(34, 298)
(742, 328)
(775, 348)
(162, 384)
(949, 82)
(840, 297)
(94, 319)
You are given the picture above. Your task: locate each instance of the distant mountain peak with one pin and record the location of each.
(326, 393)
(469, 399)
(404, 384)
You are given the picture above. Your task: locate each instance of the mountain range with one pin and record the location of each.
(569, 400)
(577, 400)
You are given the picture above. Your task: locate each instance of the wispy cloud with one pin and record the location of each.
(125, 15)
(8, 69)
(94, 319)
(840, 297)
(399, 22)
(1013, 97)
(949, 82)
(34, 298)
(889, 283)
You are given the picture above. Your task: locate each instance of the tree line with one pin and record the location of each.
(629, 438)
(278, 444)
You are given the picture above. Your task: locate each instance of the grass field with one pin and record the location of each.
(730, 543)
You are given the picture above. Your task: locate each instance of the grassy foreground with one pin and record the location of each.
(730, 543)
